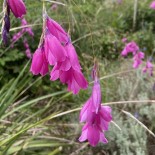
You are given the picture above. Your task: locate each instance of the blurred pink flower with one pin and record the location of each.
(54, 6)
(119, 1)
(17, 36)
(138, 59)
(93, 133)
(152, 5)
(124, 40)
(28, 51)
(130, 47)
(148, 68)
(17, 7)
(39, 62)
(26, 29)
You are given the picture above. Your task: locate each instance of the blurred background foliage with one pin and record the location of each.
(32, 118)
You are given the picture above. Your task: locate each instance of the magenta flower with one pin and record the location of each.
(93, 133)
(17, 7)
(69, 71)
(57, 31)
(152, 5)
(73, 78)
(96, 116)
(148, 68)
(130, 47)
(39, 62)
(138, 59)
(96, 124)
(55, 52)
(73, 58)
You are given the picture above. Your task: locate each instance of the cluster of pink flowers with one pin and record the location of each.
(20, 34)
(133, 48)
(57, 50)
(152, 5)
(96, 116)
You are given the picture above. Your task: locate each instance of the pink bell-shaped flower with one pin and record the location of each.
(39, 62)
(17, 7)
(96, 116)
(54, 51)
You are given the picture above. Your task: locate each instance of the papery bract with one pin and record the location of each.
(39, 62)
(17, 7)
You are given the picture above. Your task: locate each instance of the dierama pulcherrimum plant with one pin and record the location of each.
(55, 49)
(96, 116)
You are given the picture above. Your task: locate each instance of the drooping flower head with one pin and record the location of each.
(17, 7)
(152, 5)
(96, 116)
(69, 71)
(60, 53)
